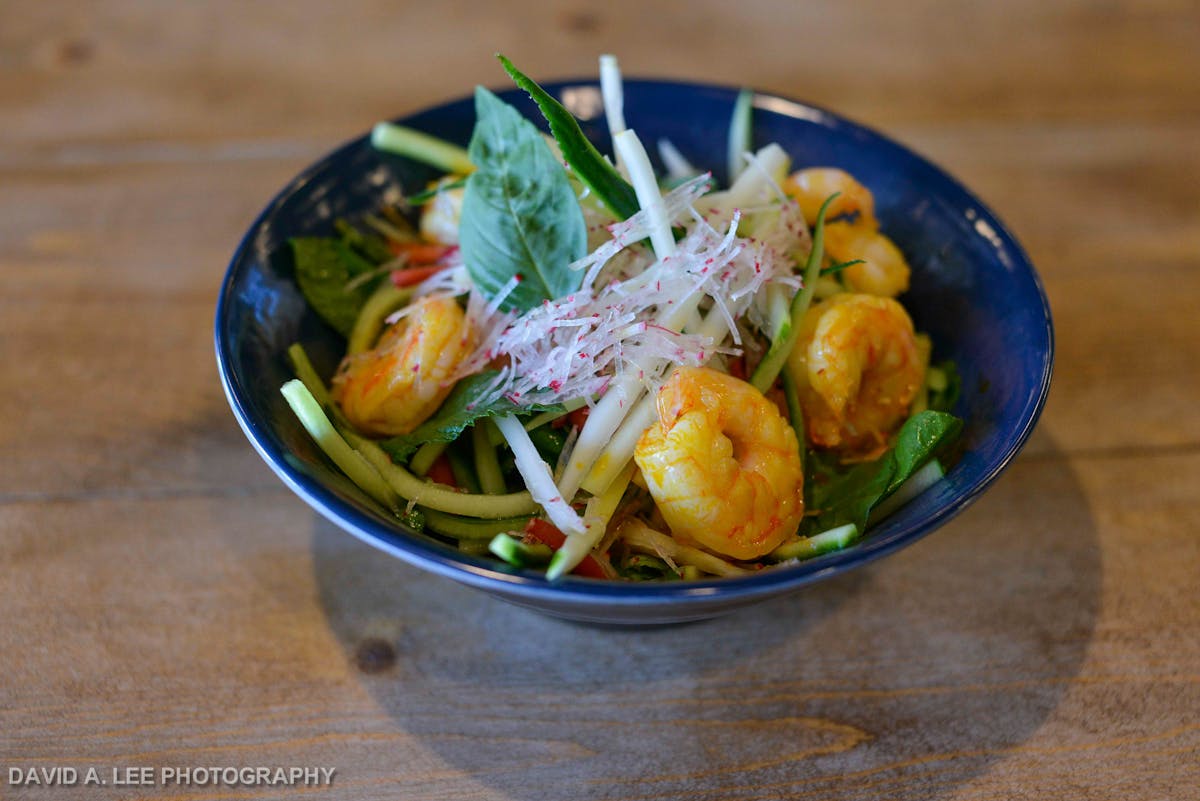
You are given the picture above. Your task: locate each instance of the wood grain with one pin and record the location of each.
(166, 602)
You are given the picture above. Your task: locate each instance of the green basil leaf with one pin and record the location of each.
(520, 217)
(593, 169)
(323, 269)
(849, 497)
(470, 400)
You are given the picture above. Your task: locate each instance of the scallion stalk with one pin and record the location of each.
(421, 147)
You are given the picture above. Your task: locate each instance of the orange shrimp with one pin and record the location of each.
(395, 387)
(722, 464)
(858, 368)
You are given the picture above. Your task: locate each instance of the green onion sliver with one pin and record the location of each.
(422, 147)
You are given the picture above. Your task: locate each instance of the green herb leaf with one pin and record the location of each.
(520, 217)
(850, 496)
(593, 169)
(324, 267)
(470, 400)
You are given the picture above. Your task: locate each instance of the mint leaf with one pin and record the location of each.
(323, 268)
(593, 169)
(520, 217)
(470, 400)
(850, 496)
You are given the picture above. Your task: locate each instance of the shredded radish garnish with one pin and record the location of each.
(610, 329)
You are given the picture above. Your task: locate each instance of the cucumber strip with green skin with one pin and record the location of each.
(348, 460)
(403, 483)
(924, 478)
(807, 547)
(466, 528)
(421, 147)
(304, 370)
(463, 468)
(439, 496)
(517, 553)
(473, 547)
(487, 466)
(768, 369)
(422, 461)
(370, 321)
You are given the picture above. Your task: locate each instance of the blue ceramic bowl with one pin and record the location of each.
(974, 291)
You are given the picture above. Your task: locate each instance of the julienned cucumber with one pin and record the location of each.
(807, 547)
(519, 554)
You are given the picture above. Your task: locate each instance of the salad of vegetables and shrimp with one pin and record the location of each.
(576, 364)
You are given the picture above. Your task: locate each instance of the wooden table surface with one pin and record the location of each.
(166, 602)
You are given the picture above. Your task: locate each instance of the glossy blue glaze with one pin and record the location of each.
(974, 291)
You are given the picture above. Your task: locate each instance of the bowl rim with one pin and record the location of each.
(425, 552)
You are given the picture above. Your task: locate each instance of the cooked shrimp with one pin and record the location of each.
(812, 186)
(441, 215)
(858, 368)
(722, 464)
(883, 270)
(393, 388)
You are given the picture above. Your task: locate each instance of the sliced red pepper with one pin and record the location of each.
(441, 472)
(419, 253)
(579, 416)
(548, 534)
(415, 275)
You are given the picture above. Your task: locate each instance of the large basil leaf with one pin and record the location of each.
(519, 215)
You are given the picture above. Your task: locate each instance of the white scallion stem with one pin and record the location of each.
(614, 101)
(537, 476)
(641, 174)
(422, 147)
